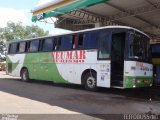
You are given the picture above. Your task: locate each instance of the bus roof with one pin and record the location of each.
(86, 30)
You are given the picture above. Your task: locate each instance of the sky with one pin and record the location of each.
(20, 10)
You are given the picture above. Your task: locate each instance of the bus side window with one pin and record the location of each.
(80, 41)
(28, 46)
(41, 43)
(57, 42)
(22, 46)
(74, 42)
(104, 45)
(90, 40)
(54, 44)
(8, 48)
(13, 48)
(18, 45)
(67, 42)
(34, 46)
(47, 45)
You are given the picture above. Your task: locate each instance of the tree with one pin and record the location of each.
(2, 46)
(16, 31)
(2, 50)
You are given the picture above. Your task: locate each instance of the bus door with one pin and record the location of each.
(104, 64)
(117, 58)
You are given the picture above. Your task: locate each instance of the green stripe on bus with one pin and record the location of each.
(130, 81)
(42, 67)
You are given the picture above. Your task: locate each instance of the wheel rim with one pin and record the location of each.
(91, 82)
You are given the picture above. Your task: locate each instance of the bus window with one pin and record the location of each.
(17, 47)
(34, 46)
(28, 46)
(90, 40)
(80, 41)
(47, 45)
(22, 47)
(67, 42)
(13, 48)
(74, 42)
(139, 47)
(104, 45)
(57, 43)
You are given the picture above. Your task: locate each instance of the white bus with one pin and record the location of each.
(112, 56)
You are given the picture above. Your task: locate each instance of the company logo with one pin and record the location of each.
(69, 56)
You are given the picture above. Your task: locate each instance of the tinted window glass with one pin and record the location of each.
(17, 47)
(67, 42)
(13, 48)
(57, 43)
(118, 46)
(34, 45)
(28, 46)
(74, 42)
(139, 47)
(80, 40)
(47, 45)
(22, 47)
(104, 45)
(156, 48)
(90, 40)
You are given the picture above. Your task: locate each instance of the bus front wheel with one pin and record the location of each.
(24, 75)
(91, 81)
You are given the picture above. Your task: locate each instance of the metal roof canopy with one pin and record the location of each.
(141, 14)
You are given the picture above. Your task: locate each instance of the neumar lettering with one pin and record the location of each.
(69, 56)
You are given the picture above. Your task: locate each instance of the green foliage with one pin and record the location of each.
(2, 64)
(2, 50)
(16, 31)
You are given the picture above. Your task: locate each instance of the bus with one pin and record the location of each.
(111, 56)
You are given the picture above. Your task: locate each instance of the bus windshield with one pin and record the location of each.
(139, 47)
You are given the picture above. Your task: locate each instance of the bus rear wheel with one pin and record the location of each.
(24, 75)
(90, 81)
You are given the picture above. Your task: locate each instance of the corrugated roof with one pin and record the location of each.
(141, 14)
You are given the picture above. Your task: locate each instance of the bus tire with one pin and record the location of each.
(25, 75)
(90, 82)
